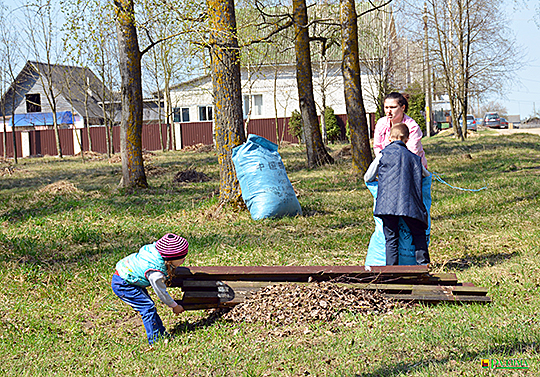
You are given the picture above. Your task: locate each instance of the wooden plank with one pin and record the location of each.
(434, 298)
(297, 273)
(234, 292)
(248, 285)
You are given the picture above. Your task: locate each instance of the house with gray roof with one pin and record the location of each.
(76, 91)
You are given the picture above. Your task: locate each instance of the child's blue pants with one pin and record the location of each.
(139, 300)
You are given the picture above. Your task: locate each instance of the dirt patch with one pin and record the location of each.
(344, 152)
(59, 188)
(190, 176)
(154, 171)
(300, 303)
(198, 148)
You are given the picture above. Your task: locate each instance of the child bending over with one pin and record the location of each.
(150, 267)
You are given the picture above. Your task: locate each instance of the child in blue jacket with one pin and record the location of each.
(150, 267)
(399, 195)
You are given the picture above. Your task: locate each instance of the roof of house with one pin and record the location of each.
(70, 81)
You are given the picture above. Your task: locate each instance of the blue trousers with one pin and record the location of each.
(138, 298)
(391, 235)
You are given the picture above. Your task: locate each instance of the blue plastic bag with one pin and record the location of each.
(376, 254)
(266, 189)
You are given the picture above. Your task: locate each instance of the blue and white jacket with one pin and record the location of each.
(135, 267)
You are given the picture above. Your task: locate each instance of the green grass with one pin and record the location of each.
(58, 315)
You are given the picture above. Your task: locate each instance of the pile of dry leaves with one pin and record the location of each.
(59, 188)
(198, 148)
(296, 303)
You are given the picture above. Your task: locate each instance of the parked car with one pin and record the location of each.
(471, 122)
(504, 123)
(480, 122)
(492, 120)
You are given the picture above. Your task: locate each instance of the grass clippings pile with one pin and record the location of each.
(198, 148)
(190, 176)
(287, 304)
(92, 156)
(59, 188)
(343, 152)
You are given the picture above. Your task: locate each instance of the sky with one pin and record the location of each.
(523, 96)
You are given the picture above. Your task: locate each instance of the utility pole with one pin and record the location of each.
(427, 75)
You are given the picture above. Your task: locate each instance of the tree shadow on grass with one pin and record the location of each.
(186, 326)
(483, 260)
(399, 369)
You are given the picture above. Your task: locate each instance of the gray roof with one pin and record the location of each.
(71, 81)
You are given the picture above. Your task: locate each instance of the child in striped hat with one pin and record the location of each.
(150, 267)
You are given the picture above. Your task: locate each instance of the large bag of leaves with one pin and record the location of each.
(266, 189)
(376, 254)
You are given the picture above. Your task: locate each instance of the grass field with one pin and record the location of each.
(64, 225)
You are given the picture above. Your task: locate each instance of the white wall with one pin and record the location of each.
(262, 81)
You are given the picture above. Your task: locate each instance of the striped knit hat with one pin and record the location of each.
(171, 246)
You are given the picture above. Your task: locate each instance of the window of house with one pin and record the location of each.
(253, 102)
(205, 113)
(181, 114)
(33, 103)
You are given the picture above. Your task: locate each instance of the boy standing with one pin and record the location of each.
(399, 195)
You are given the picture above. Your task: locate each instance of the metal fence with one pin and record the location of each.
(43, 142)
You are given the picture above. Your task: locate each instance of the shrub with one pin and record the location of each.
(333, 132)
(295, 124)
(417, 105)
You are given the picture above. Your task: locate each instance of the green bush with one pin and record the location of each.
(333, 132)
(417, 104)
(295, 124)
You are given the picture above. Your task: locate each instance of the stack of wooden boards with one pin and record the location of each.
(226, 286)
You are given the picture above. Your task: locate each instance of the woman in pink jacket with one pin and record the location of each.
(395, 108)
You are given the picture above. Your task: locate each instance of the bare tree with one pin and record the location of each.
(168, 60)
(8, 66)
(42, 33)
(472, 50)
(86, 24)
(316, 151)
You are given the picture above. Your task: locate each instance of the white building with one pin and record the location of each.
(267, 92)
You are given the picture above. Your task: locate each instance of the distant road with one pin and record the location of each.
(535, 131)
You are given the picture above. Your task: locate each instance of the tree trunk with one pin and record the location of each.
(132, 102)
(15, 160)
(228, 120)
(4, 133)
(86, 116)
(55, 126)
(356, 113)
(317, 154)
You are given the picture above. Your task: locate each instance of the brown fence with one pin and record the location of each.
(267, 129)
(43, 142)
(201, 132)
(196, 133)
(9, 144)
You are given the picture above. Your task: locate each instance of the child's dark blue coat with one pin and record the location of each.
(400, 184)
